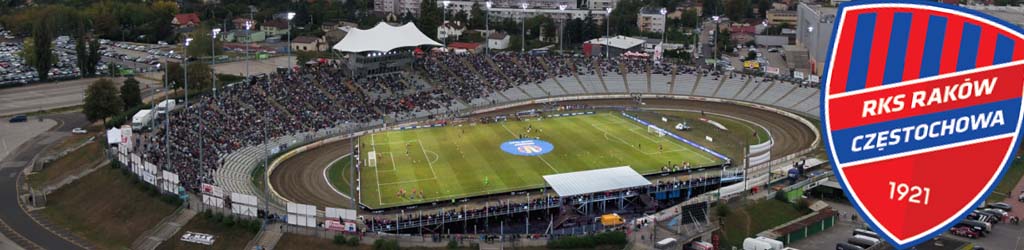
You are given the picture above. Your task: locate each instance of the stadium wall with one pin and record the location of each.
(278, 200)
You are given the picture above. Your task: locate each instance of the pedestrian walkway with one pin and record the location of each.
(267, 238)
(166, 229)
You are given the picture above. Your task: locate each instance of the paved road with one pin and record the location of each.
(10, 211)
(46, 96)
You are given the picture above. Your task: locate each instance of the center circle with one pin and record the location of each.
(527, 147)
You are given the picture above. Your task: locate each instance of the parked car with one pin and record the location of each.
(18, 118)
(964, 231)
(1001, 205)
(78, 131)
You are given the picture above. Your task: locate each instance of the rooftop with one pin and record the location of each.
(594, 181)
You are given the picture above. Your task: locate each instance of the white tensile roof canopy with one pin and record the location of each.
(594, 181)
(383, 38)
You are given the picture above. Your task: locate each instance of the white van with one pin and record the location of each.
(755, 244)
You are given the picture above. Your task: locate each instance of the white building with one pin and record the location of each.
(650, 20)
(450, 29)
(814, 32)
(498, 40)
(557, 15)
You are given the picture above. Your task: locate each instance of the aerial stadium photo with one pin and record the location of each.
(324, 124)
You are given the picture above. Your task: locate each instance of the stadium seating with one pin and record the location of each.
(320, 101)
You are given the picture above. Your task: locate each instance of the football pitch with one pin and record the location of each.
(452, 162)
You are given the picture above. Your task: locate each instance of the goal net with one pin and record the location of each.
(371, 159)
(651, 129)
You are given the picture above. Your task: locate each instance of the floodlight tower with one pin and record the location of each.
(288, 50)
(522, 47)
(487, 26)
(607, 31)
(561, 46)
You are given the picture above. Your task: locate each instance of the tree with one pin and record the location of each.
(724, 43)
(762, 8)
(81, 55)
(102, 101)
(199, 75)
(476, 16)
(430, 18)
(711, 8)
(131, 95)
(751, 56)
(201, 42)
(40, 54)
(94, 57)
(738, 9)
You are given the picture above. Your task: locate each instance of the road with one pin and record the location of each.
(45, 96)
(10, 210)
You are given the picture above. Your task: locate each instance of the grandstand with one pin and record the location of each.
(346, 98)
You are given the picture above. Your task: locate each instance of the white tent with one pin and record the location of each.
(383, 38)
(594, 181)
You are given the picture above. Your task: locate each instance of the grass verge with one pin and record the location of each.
(227, 235)
(1009, 181)
(106, 208)
(338, 175)
(757, 217)
(72, 163)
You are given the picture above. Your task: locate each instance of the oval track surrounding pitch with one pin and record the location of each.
(301, 178)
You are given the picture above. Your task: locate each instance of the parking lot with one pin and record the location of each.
(1003, 236)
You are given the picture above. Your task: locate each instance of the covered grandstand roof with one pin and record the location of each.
(593, 181)
(383, 38)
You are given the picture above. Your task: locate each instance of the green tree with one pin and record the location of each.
(724, 43)
(476, 16)
(102, 101)
(199, 76)
(711, 8)
(131, 95)
(762, 8)
(39, 54)
(738, 9)
(201, 42)
(430, 18)
(94, 57)
(81, 55)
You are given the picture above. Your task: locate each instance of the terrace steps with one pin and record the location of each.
(719, 87)
(745, 84)
(490, 86)
(624, 70)
(447, 91)
(514, 85)
(672, 84)
(648, 76)
(554, 77)
(523, 67)
(600, 74)
(576, 74)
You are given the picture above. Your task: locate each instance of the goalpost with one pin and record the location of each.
(655, 130)
(371, 159)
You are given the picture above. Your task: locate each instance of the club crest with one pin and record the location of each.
(921, 111)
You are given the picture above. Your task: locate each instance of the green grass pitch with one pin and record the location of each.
(460, 161)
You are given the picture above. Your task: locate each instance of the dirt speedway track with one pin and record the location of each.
(301, 178)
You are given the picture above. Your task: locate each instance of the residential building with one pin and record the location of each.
(775, 17)
(498, 40)
(650, 20)
(185, 20)
(601, 5)
(275, 27)
(308, 43)
(557, 15)
(334, 36)
(450, 29)
(814, 32)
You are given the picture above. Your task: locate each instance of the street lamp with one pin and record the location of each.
(444, 23)
(664, 20)
(561, 36)
(607, 31)
(715, 42)
(522, 47)
(213, 58)
(188, 40)
(487, 26)
(288, 50)
(248, 34)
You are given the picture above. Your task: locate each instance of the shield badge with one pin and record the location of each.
(922, 111)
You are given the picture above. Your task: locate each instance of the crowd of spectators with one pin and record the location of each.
(323, 96)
